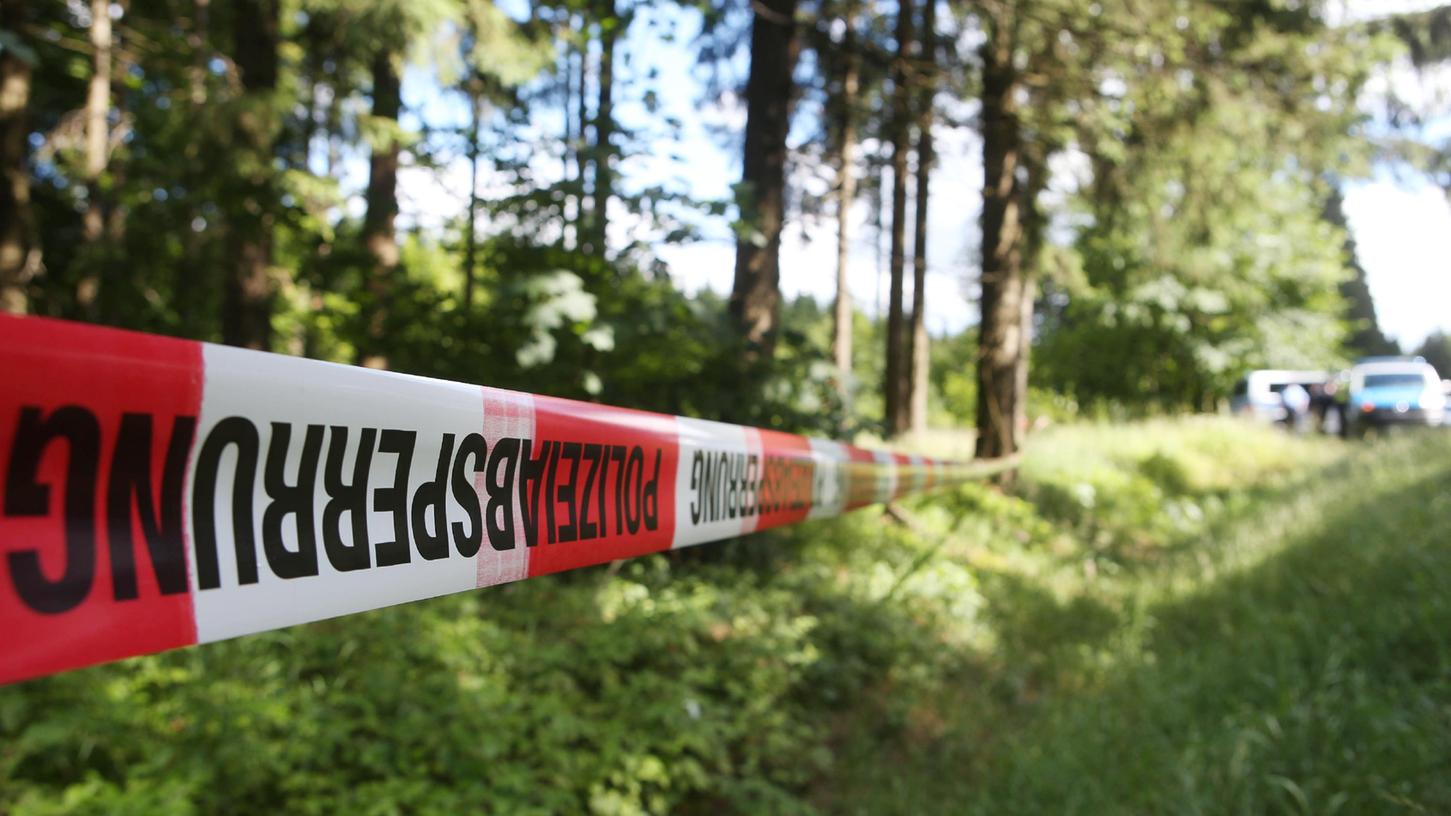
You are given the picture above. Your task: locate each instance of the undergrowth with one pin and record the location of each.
(1176, 616)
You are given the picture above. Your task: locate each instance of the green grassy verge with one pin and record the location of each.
(1285, 651)
(1184, 617)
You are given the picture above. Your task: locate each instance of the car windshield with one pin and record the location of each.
(1394, 380)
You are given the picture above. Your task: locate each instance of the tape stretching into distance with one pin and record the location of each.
(160, 492)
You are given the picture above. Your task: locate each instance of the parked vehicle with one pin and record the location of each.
(1394, 391)
(1257, 395)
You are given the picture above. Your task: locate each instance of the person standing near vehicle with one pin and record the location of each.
(1297, 406)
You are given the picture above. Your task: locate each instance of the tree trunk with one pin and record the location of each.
(379, 237)
(845, 196)
(19, 252)
(604, 127)
(919, 351)
(121, 63)
(97, 142)
(248, 294)
(1033, 178)
(898, 373)
(568, 221)
(581, 160)
(98, 109)
(187, 286)
(471, 238)
(1002, 342)
(98, 136)
(755, 302)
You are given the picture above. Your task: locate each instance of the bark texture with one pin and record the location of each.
(1003, 337)
(841, 341)
(897, 381)
(98, 136)
(920, 352)
(379, 235)
(604, 129)
(755, 302)
(19, 252)
(248, 294)
(471, 240)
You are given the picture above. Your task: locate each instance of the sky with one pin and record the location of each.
(1401, 223)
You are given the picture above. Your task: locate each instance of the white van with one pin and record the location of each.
(1257, 395)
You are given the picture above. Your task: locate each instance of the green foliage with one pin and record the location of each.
(1276, 655)
(1296, 672)
(1196, 258)
(1436, 348)
(953, 375)
(991, 654)
(858, 664)
(1181, 294)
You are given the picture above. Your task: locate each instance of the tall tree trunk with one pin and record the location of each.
(476, 100)
(248, 294)
(845, 196)
(898, 374)
(919, 350)
(755, 302)
(382, 200)
(187, 285)
(1032, 180)
(121, 63)
(604, 128)
(98, 136)
(1002, 342)
(581, 159)
(569, 236)
(310, 78)
(98, 109)
(19, 251)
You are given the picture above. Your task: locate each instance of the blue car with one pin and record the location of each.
(1395, 392)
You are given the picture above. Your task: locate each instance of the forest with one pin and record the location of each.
(1134, 202)
(251, 173)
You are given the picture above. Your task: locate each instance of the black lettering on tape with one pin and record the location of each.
(240, 433)
(697, 468)
(347, 497)
(499, 481)
(568, 532)
(467, 544)
(531, 482)
(603, 528)
(618, 453)
(394, 498)
(549, 489)
(750, 485)
(290, 500)
(587, 528)
(27, 497)
(650, 496)
(634, 476)
(129, 486)
(430, 504)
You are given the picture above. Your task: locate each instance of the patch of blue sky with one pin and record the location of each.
(1402, 225)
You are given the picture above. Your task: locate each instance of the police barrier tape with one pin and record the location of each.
(160, 492)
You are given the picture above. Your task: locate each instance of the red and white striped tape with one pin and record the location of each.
(160, 492)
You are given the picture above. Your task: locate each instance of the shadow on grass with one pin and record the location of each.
(1036, 631)
(1315, 681)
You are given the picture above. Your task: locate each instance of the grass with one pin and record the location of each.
(1179, 616)
(1280, 647)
